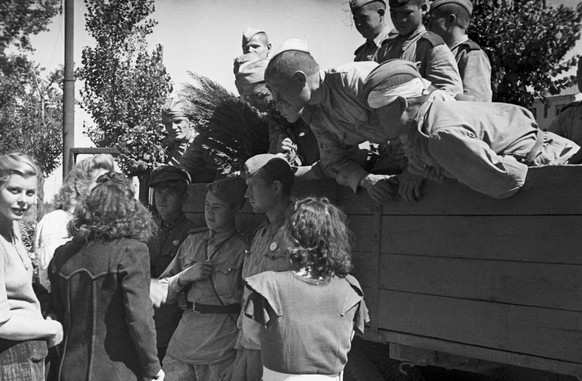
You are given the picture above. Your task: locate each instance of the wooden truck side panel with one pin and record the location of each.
(461, 274)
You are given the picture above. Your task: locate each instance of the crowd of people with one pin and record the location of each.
(137, 297)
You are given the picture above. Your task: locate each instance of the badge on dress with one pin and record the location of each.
(176, 242)
(273, 246)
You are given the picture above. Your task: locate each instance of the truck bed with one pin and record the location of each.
(458, 275)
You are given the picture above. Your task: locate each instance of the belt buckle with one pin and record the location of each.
(194, 309)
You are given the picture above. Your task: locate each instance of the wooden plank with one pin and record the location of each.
(546, 239)
(528, 284)
(487, 354)
(554, 334)
(365, 236)
(366, 269)
(371, 299)
(546, 192)
(452, 198)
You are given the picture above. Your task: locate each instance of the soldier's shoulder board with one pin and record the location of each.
(470, 45)
(433, 38)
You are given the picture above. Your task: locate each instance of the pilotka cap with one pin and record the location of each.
(357, 4)
(467, 4)
(391, 73)
(230, 190)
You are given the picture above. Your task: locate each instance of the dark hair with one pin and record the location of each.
(76, 185)
(285, 64)
(318, 238)
(463, 17)
(282, 173)
(111, 211)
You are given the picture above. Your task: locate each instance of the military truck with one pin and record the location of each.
(462, 281)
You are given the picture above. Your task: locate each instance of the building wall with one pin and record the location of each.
(544, 114)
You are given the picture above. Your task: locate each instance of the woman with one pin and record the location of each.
(51, 231)
(305, 318)
(100, 288)
(24, 334)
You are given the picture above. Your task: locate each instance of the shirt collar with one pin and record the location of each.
(377, 41)
(457, 43)
(216, 238)
(413, 37)
(167, 225)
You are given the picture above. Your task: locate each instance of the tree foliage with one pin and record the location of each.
(125, 85)
(30, 102)
(528, 43)
(230, 131)
(22, 18)
(31, 116)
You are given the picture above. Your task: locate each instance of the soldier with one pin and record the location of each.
(180, 129)
(450, 20)
(333, 105)
(253, 41)
(207, 270)
(295, 140)
(368, 18)
(569, 122)
(170, 186)
(256, 41)
(486, 146)
(410, 41)
(269, 179)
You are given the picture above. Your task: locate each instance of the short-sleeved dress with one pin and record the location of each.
(309, 324)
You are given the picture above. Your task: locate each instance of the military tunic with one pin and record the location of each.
(437, 63)
(569, 123)
(368, 50)
(487, 146)
(475, 70)
(204, 338)
(163, 248)
(267, 253)
(342, 121)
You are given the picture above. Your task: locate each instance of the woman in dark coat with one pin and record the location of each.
(100, 288)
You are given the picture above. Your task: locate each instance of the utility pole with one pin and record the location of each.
(69, 88)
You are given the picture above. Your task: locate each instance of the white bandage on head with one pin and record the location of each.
(383, 95)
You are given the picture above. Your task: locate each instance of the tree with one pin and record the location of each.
(30, 104)
(527, 42)
(125, 85)
(21, 18)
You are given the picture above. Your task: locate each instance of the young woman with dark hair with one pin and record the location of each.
(305, 318)
(100, 288)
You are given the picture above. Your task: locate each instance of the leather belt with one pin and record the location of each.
(214, 309)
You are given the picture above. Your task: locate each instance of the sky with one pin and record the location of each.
(205, 36)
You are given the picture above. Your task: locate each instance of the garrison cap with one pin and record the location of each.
(249, 75)
(174, 107)
(249, 33)
(292, 44)
(230, 190)
(467, 4)
(272, 164)
(167, 173)
(357, 4)
(240, 60)
(391, 73)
